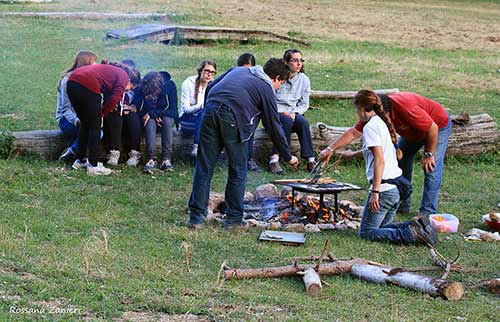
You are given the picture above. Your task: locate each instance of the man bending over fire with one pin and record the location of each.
(236, 102)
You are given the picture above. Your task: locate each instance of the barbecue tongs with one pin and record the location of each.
(318, 170)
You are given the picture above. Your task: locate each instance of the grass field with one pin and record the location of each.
(54, 223)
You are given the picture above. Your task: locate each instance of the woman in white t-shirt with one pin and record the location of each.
(193, 99)
(379, 152)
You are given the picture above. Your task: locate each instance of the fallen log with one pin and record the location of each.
(333, 268)
(428, 285)
(477, 136)
(345, 94)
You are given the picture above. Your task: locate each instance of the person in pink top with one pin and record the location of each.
(95, 91)
(421, 123)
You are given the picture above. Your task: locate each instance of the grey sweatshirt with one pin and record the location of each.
(293, 96)
(64, 107)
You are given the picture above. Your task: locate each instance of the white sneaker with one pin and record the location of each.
(194, 151)
(113, 157)
(98, 170)
(77, 165)
(134, 157)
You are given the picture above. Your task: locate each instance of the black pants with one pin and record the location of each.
(113, 124)
(132, 130)
(87, 106)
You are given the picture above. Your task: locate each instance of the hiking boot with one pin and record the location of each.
(241, 226)
(68, 155)
(134, 157)
(99, 170)
(310, 165)
(77, 165)
(253, 166)
(150, 166)
(194, 151)
(276, 168)
(113, 157)
(423, 231)
(166, 165)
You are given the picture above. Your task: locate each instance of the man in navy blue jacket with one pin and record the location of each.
(237, 100)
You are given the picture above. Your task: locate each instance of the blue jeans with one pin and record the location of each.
(301, 127)
(219, 130)
(166, 137)
(378, 226)
(190, 125)
(70, 133)
(432, 180)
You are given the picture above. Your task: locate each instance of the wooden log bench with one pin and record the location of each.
(477, 135)
(167, 33)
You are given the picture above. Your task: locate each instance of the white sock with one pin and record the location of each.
(274, 158)
(311, 159)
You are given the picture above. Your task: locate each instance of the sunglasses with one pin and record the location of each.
(211, 72)
(296, 60)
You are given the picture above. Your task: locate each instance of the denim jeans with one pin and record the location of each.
(378, 226)
(166, 137)
(190, 125)
(219, 130)
(301, 127)
(432, 180)
(70, 133)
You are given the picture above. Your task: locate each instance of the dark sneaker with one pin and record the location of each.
(423, 231)
(276, 168)
(166, 165)
(241, 226)
(68, 156)
(150, 166)
(253, 166)
(310, 165)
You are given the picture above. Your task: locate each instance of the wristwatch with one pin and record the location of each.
(428, 154)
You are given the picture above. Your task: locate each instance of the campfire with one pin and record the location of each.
(270, 209)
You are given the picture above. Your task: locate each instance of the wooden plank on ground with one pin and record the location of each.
(346, 94)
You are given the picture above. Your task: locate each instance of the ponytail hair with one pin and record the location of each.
(199, 70)
(369, 101)
(82, 58)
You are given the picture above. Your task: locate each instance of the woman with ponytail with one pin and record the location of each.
(420, 122)
(193, 100)
(382, 171)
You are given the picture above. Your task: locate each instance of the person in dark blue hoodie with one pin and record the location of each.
(156, 101)
(235, 103)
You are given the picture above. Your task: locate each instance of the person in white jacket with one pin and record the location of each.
(192, 100)
(66, 117)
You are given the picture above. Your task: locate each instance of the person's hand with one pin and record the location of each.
(348, 154)
(428, 164)
(159, 121)
(325, 155)
(292, 116)
(102, 122)
(294, 162)
(145, 119)
(374, 205)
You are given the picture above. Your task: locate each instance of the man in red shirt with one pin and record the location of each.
(420, 122)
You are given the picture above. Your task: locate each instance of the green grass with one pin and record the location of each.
(52, 219)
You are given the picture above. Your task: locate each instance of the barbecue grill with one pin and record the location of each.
(323, 189)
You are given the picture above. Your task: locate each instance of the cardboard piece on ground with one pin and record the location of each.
(283, 237)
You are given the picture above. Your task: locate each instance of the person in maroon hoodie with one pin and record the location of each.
(95, 91)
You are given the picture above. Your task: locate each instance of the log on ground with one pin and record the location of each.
(312, 282)
(429, 285)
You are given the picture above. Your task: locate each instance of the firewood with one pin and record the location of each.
(312, 282)
(428, 285)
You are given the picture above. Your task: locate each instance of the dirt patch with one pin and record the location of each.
(161, 317)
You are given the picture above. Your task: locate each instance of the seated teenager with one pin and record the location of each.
(192, 100)
(293, 102)
(65, 113)
(156, 101)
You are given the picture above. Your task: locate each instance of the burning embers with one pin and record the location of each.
(270, 209)
(302, 209)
